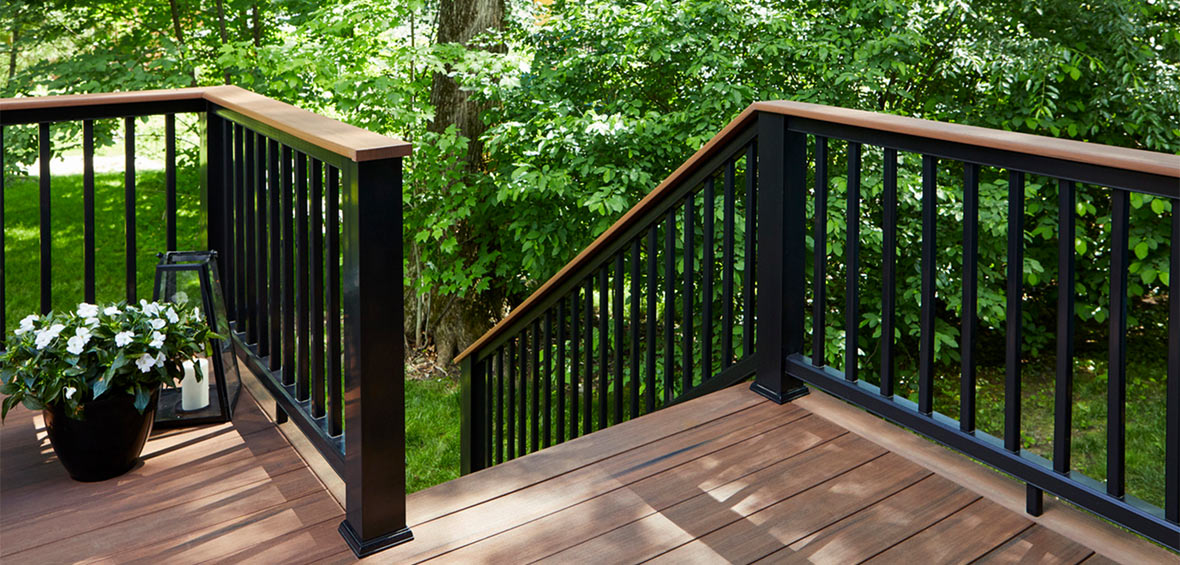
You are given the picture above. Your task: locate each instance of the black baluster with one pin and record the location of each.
(316, 302)
(727, 267)
(749, 274)
(1116, 392)
(275, 307)
(229, 252)
(1172, 437)
(334, 314)
(261, 307)
(251, 318)
(46, 233)
(88, 241)
(522, 422)
(1015, 298)
(588, 392)
(3, 269)
(1063, 389)
(561, 384)
(575, 362)
(707, 263)
(535, 412)
(619, 318)
(129, 206)
(819, 234)
(686, 297)
(489, 396)
(649, 396)
(288, 228)
(669, 303)
(510, 364)
(302, 292)
(547, 376)
(970, 294)
(889, 272)
(603, 345)
(852, 265)
(500, 405)
(239, 273)
(929, 230)
(169, 180)
(636, 292)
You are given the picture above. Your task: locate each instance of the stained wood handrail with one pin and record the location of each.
(1135, 160)
(350, 141)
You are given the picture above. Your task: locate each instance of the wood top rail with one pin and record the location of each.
(1092, 153)
(335, 136)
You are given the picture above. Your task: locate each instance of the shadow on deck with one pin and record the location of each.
(729, 477)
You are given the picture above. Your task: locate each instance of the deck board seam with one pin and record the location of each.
(928, 526)
(802, 414)
(802, 417)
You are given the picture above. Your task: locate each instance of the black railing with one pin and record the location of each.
(770, 144)
(304, 213)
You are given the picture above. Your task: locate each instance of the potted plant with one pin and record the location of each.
(95, 373)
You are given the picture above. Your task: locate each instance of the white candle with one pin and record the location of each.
(194, 395)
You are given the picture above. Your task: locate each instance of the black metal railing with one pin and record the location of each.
(307, 230)
(770, 144)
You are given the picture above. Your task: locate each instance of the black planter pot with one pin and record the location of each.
(105, 444)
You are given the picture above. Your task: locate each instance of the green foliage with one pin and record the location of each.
(74, 357)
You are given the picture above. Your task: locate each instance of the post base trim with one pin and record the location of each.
(362, 548)
(781, 398)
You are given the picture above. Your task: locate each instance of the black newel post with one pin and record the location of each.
(374, 389)
(473, 436)
(782, 175)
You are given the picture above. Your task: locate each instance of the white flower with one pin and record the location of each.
(111, 311)
(123, 338)
(83, 332)
(86, 310)
(46, 336)
(70, 392)
(180, 297)
(157, 340)
(158, 324)
(149, 308)
(91, 322)
(26, 325)
(76, 345)
(145, 363)
(171, 315)
(160, 359)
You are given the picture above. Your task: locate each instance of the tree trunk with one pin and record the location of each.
(176, 29)
(257, 29)
(12, 49)
(461, 321)
(221, 29)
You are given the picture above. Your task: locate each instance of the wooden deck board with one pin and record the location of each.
(727, 478)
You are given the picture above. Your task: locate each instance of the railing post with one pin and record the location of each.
(212, 171)
(782, 174)
(472, 443)
(374, 387)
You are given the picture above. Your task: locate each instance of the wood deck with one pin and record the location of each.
(726, 478)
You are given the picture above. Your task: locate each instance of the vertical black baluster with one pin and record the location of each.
(88, 274)
(649, 396)
(970, 293)
(333, 315)
(852, 265)
(1172, 437)
(636, 292)
(288, 213)
(749, 274)
(510, 364)
(262, 307)
(500, 405)
(619, 318)
(669, 304)
(251, 240)
(1063, 390)
(1116, 393)
(547, 376)
(575, 362)
(888, 271)
(603, 347)
(1015, 298)
(819, 278)
(535, 413)
(129, 205)
(229, 261)
(3, 268)
(561, 384)
(46, 233)
(276, 287)
(170, 179)
(727, 268)
(489, 402)
(929, 229)
(522, 422)
(302, 294)
(318, 385)
(686, 296)
(588, 391)
(239, 273)
(707, 264)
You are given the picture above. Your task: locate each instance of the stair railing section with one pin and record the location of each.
(304, 212)
(660, 309)
(977, 152)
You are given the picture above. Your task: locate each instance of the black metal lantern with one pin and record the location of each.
(190, 279)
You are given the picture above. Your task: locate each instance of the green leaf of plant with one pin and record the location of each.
(141, 399)
(1141, 250)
